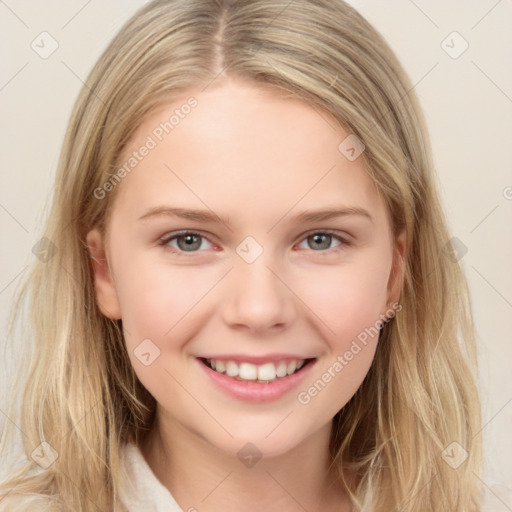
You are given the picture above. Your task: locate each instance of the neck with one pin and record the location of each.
(202, 477)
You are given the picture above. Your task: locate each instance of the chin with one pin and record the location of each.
(258, 443)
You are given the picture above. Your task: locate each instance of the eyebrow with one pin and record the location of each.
(211, 217)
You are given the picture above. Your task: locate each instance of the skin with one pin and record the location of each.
(256, 159)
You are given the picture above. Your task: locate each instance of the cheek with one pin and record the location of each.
(162, 307)
(349, 298)
(347, 303)
(156, 297)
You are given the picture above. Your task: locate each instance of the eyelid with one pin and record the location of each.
(344, 237)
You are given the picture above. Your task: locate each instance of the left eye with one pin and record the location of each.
(320, 241)
(186, 242)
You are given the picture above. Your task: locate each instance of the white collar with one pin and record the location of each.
(141, 489)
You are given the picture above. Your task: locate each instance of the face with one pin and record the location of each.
(245, 240)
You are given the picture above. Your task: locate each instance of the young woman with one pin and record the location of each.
(249, 302)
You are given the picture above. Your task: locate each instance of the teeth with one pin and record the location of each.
(292, 366)
(281, 370)
(248, 371)
(267, 372)
(231, 369)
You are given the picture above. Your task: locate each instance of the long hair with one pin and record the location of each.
(418, 405)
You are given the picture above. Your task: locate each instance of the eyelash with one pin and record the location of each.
(172, 236)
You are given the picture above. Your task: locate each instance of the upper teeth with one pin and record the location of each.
(248, 371)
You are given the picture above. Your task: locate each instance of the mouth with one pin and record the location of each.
(265, 373)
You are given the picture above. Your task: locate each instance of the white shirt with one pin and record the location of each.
(142, 491)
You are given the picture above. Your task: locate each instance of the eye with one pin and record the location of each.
(185, 241)
(191, 241)
(322, 240)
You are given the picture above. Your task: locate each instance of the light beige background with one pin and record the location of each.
(468, 105)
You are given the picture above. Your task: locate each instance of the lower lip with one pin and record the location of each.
(253, 391)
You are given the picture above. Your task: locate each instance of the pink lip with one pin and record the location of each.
(253, 391)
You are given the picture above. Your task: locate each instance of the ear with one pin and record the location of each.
(106, 295)
(396, 275)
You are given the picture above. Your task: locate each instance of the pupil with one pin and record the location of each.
(317, 239)
(190, 242)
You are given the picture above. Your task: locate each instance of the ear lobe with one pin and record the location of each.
(105, 291)
(397, 271)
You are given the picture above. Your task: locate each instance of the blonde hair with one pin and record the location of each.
(81, 394)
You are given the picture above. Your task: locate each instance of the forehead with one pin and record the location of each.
(241, 149)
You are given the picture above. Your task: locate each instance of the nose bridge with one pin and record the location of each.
(257, 298)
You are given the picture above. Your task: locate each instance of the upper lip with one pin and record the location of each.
(245, 358)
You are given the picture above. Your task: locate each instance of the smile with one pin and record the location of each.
(260, 380)
(263, 373)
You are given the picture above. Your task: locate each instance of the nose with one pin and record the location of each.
(258, 298)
